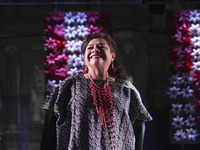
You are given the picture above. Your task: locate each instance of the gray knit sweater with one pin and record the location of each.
(78, 126)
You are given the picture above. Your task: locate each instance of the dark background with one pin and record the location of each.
(140, 29)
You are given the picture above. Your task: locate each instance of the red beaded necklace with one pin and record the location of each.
(103, 102)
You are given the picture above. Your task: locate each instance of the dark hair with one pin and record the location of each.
(120, 71)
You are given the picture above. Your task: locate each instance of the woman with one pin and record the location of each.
(97, 110)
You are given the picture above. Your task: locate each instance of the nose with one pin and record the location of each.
(95, 49)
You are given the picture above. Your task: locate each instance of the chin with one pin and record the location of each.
(96, 62)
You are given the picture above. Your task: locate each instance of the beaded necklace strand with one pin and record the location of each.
(103, 102)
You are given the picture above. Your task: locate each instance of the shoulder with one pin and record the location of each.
(128, 85)
(68, 82)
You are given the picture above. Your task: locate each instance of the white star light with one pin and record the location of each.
(196, 41)
(77, 46)
(186, 79)
(191, 134)
(51, 85)
(187, 92)
(188, 108)
(175, 79)
(70, 32)
(179, 135)
(176, 108)
(194, 16)
(81, 17)
(195, 28)
(69, 18)
(196, 66)
(70, 46)
(196, 54)
(82, 31)
(190, 121)
(78, 62)
(71, 58)
(178, 122)
(72, 71)
(173, 92)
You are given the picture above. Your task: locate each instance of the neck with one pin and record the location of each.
(98, 74)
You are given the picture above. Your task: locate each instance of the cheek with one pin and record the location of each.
(108, 55)
(86, 57)
(85, 54)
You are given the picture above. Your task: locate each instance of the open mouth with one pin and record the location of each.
(96, 56)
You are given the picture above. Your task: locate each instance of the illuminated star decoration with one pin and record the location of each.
(174, 92)
(69, 18)
(51, 85)
(190, 121)
(188, 108)
(177, 122)
(191, 134)
(176, 108)
(179, 135)
(187, 92)
(194, 16)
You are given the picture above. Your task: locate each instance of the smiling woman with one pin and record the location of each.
(99, 109)
(98, 57)
(105, 45)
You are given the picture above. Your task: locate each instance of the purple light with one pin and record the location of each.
(72, 3)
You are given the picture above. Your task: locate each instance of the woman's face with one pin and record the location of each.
(98, 52)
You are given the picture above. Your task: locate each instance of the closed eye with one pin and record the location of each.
(90, 48)
(101, 47)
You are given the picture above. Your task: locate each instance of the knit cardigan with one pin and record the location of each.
(78, 126)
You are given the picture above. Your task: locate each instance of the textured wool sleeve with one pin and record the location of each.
(137, 110)
(49, 102)
(58, 100)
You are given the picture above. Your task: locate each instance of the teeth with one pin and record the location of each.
(96, 56)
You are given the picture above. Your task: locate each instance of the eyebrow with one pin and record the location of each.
(97, 44)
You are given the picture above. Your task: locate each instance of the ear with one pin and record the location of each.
(113, 56)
